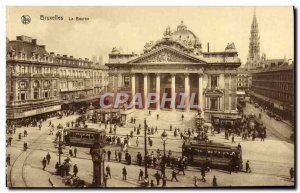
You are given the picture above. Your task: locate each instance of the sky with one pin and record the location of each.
(131, 27)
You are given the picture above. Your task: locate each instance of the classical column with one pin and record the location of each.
(158, 91)
(145, 90)
(187, 91)
(200, 92)
(133, 88)
(173, 94)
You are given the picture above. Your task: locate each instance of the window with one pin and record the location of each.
(214, 81)
(23, 96)
(35, 94)
(213, 104)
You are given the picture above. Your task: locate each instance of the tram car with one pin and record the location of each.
(216, 155)
(83, 136)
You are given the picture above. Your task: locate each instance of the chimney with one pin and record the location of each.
(58, 55)
(86, 59)
(19, 38)
(34, 41)
(65, 56)
(71, 57)
(43, 46)
(207, 46)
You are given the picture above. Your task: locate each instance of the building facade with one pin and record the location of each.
(253, 59)
(243, 80)
(39, 82)
(273, 87)
(177, 64)
(32, 76)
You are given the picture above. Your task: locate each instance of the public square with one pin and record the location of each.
(270, 160)
(120, 97)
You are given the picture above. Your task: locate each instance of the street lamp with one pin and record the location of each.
(145, 142)
(59, 127)
(164, 137)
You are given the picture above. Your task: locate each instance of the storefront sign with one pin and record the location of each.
(37, 111)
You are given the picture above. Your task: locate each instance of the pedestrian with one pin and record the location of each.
(9, 141)
(56, 167)
(137, 141)
(170, 127)
(124, 172)
(75, 170)
(108, 171)
(48, 157)
(20, 136)
(182, 117)
(232, 139)
(164, 180)
(44, 162)
(157, 177)
(157, 116)
(203, 174)
(75, 151)
(8, 159)
(116, 155)
(214, 183)
(105, 180)
(151, 183)
(174, 176)
(25, 133)
(141, 174)
(181, 169)
(108, 155)
(291, 172)
(248, 169)
(70, 152)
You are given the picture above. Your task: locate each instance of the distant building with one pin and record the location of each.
(273, 87)
(243, 80)
(253, 59)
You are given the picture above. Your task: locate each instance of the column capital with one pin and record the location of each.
(145, 74)
(186, 74)
(173, 74)
(157, 74)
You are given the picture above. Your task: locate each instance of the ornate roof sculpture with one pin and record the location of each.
(181, 42)
(181, 39)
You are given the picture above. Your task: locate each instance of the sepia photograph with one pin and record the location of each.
(150, 97)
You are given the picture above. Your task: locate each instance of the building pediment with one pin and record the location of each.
(215, 91)
(166, 55)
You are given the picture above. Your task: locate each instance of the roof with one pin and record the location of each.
(282, 67)
(26, 47)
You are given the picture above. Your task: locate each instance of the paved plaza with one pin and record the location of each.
(270, 160)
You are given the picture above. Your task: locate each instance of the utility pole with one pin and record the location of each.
(59, 147)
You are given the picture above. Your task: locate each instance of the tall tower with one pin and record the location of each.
(253, 60)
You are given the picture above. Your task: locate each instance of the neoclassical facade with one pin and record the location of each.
(177, 64)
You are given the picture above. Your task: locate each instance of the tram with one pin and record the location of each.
(83, 136)
(216, 155)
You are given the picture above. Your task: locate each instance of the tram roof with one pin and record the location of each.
(211, 146)
(82, 129)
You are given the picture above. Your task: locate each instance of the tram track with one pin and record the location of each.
(24, 155)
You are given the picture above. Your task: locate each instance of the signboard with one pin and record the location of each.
(36, 111)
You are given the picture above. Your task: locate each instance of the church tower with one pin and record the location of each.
(253, 60)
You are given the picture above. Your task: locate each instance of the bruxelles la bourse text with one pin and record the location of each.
(61, 18)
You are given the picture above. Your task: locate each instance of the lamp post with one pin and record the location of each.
(59, 127)
(145, 142)
(164, 137)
